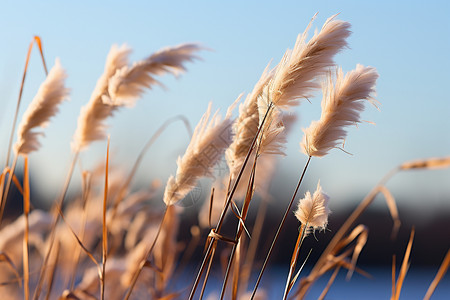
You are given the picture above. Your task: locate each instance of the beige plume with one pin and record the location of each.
(296, 73)
(341, 107)
(313, 210)
(212, 136)
(128, 83)
(43, 106)
(121, 84)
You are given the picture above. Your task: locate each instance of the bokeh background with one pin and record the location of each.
(407, 41)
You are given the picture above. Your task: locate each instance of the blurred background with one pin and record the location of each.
(407, 41)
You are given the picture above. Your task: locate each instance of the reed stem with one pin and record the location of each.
(275, 239)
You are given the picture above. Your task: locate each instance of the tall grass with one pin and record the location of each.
(112, 242)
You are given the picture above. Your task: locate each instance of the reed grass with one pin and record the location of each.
(111, 242)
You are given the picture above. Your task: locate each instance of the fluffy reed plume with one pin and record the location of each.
(43, 106)
(272, 138)
(120, 85)
(128, 83)
(90, 121)
(313, 210)
(341, 106)
(212, 136)
(296, 73)
(246, 125)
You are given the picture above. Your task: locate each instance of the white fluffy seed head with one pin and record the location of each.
(313, 210)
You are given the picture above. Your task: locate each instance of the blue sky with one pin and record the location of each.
(407, 41)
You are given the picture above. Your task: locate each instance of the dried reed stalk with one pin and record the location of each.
(440, 274)
(404, 268)
(26, 212)
(104, 227)
(37, 40)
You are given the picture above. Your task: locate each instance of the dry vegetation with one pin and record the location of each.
(113, 243)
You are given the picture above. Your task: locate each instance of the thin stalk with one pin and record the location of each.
(105, 229)
(251, 252)
(227, 203)
(52, 237)
(301, 237)
(19, 99)
(26, 212)
(4, 193)
(144, 259)
(279, 228)
(208, 270)
(240, 229)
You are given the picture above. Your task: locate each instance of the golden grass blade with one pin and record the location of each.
(404, 268)
(430, 163)
(393, 273)
(294, 259)
(392, 205)
(104, 228)
(37, 40)
(4, 193)
(208, 270)
(294, 280)
(26, 211)
(330, 282)
(440, 274)
(360, 233)
(14, 179)
(237, 270)
(211, 201)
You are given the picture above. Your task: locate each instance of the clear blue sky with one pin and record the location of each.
(407, 41)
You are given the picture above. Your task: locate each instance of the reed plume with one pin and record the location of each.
(296, 73)
(212, 136)
(128, 83)
(341, 107)
(121, 85)
(246, 125)
(43, 106)
(90, 121)
(313, 210)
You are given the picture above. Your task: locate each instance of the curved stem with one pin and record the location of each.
(4, 193)
(279, 228)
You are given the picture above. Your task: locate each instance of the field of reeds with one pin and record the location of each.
(112, 242)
